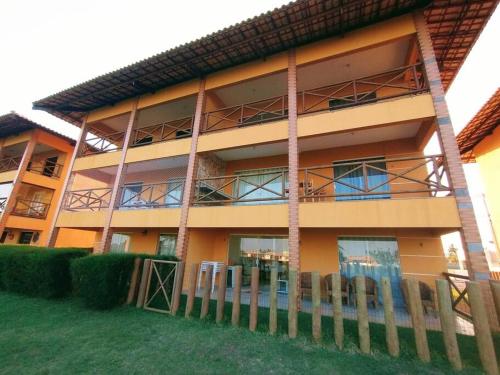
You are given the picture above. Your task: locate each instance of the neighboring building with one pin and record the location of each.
(34, 161)
(479, 142)
(293, 139)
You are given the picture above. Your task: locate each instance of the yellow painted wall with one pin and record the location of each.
(147, 218)
(97, 161)
(159, 150)
(487, 154)
(68, 237)
(8, 176)
(81, 219)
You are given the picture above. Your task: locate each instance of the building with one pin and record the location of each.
(33, 164)
(293, 139)
(479, 142)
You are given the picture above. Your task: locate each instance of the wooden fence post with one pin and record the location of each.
(316, 306)
(362, 308)
(448, 318)
(133, 281)
(391, 331)
(144, 282)
(292, 304)
(484, 340)
(207, 291)
(193, 276)
(495, 291)
(418, 320)
(338, 319)
(273, 302)
(235, 315)
(221, 294)
(254, 299)
(179, 278)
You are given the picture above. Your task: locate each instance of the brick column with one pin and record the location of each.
(293, 166)
(477, 264)
(183, 234)
(68, 181)
(107, 232)
(16, 184)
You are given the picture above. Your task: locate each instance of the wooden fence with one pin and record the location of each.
(447, 315)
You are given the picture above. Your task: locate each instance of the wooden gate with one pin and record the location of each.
(161, 285)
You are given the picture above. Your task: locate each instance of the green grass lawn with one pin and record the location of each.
(61, 336)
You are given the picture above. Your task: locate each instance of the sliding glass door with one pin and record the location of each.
(263, 252)
(374, 257)
(351, 183)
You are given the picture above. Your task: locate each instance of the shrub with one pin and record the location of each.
(103, 281)
(37, 271)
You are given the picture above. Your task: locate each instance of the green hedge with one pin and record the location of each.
(37, 271)
(102, 281)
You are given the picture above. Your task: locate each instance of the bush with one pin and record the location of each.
(37, 271)
(103, 281)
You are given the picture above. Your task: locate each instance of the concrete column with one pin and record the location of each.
(16, 184)
(107, 232)
(68, 181)
(293, 165)
(183, 234)
(477, 264)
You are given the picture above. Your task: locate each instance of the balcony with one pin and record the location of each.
(48, 168)
(165, 131)
(10, 164)
(159, 195)
(31, 208)
(376, 178)
(3, 202)
(394, 83)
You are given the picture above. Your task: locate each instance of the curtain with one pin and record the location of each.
(374, 257)
(166, 244)
(175, 188)
(353, 175)
(119, 243)
(271, 189)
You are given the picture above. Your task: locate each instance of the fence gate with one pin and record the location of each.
(161, 286)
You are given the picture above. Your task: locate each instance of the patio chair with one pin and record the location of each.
(427, 296)
(344, 288)
(305, 283)
(371, 290)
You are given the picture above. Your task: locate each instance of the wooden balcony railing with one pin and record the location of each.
(164, 131)
(160, 195)
(102, 143)
(242, 188)
(46, 168)
(368, 179)
(375, 178)
(10, 164)
(246, 114)
(87, 199)
(31, 208)
(3, 202)
(407, 80)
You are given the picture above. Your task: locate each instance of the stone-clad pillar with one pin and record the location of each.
(293, 166)
(477, 264)
(183, 234)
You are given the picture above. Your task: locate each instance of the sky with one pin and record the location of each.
(48, 46)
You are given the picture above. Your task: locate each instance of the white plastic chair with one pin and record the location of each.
(216, 266)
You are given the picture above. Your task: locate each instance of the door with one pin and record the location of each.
(50, 166)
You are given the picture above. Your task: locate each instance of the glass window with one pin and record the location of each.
(350, 181)
(175, 188)
(261, 184)
(120, 243)
(131, 194)
(166, 244)
(25, 238)
(263, 252)
(374, 257)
